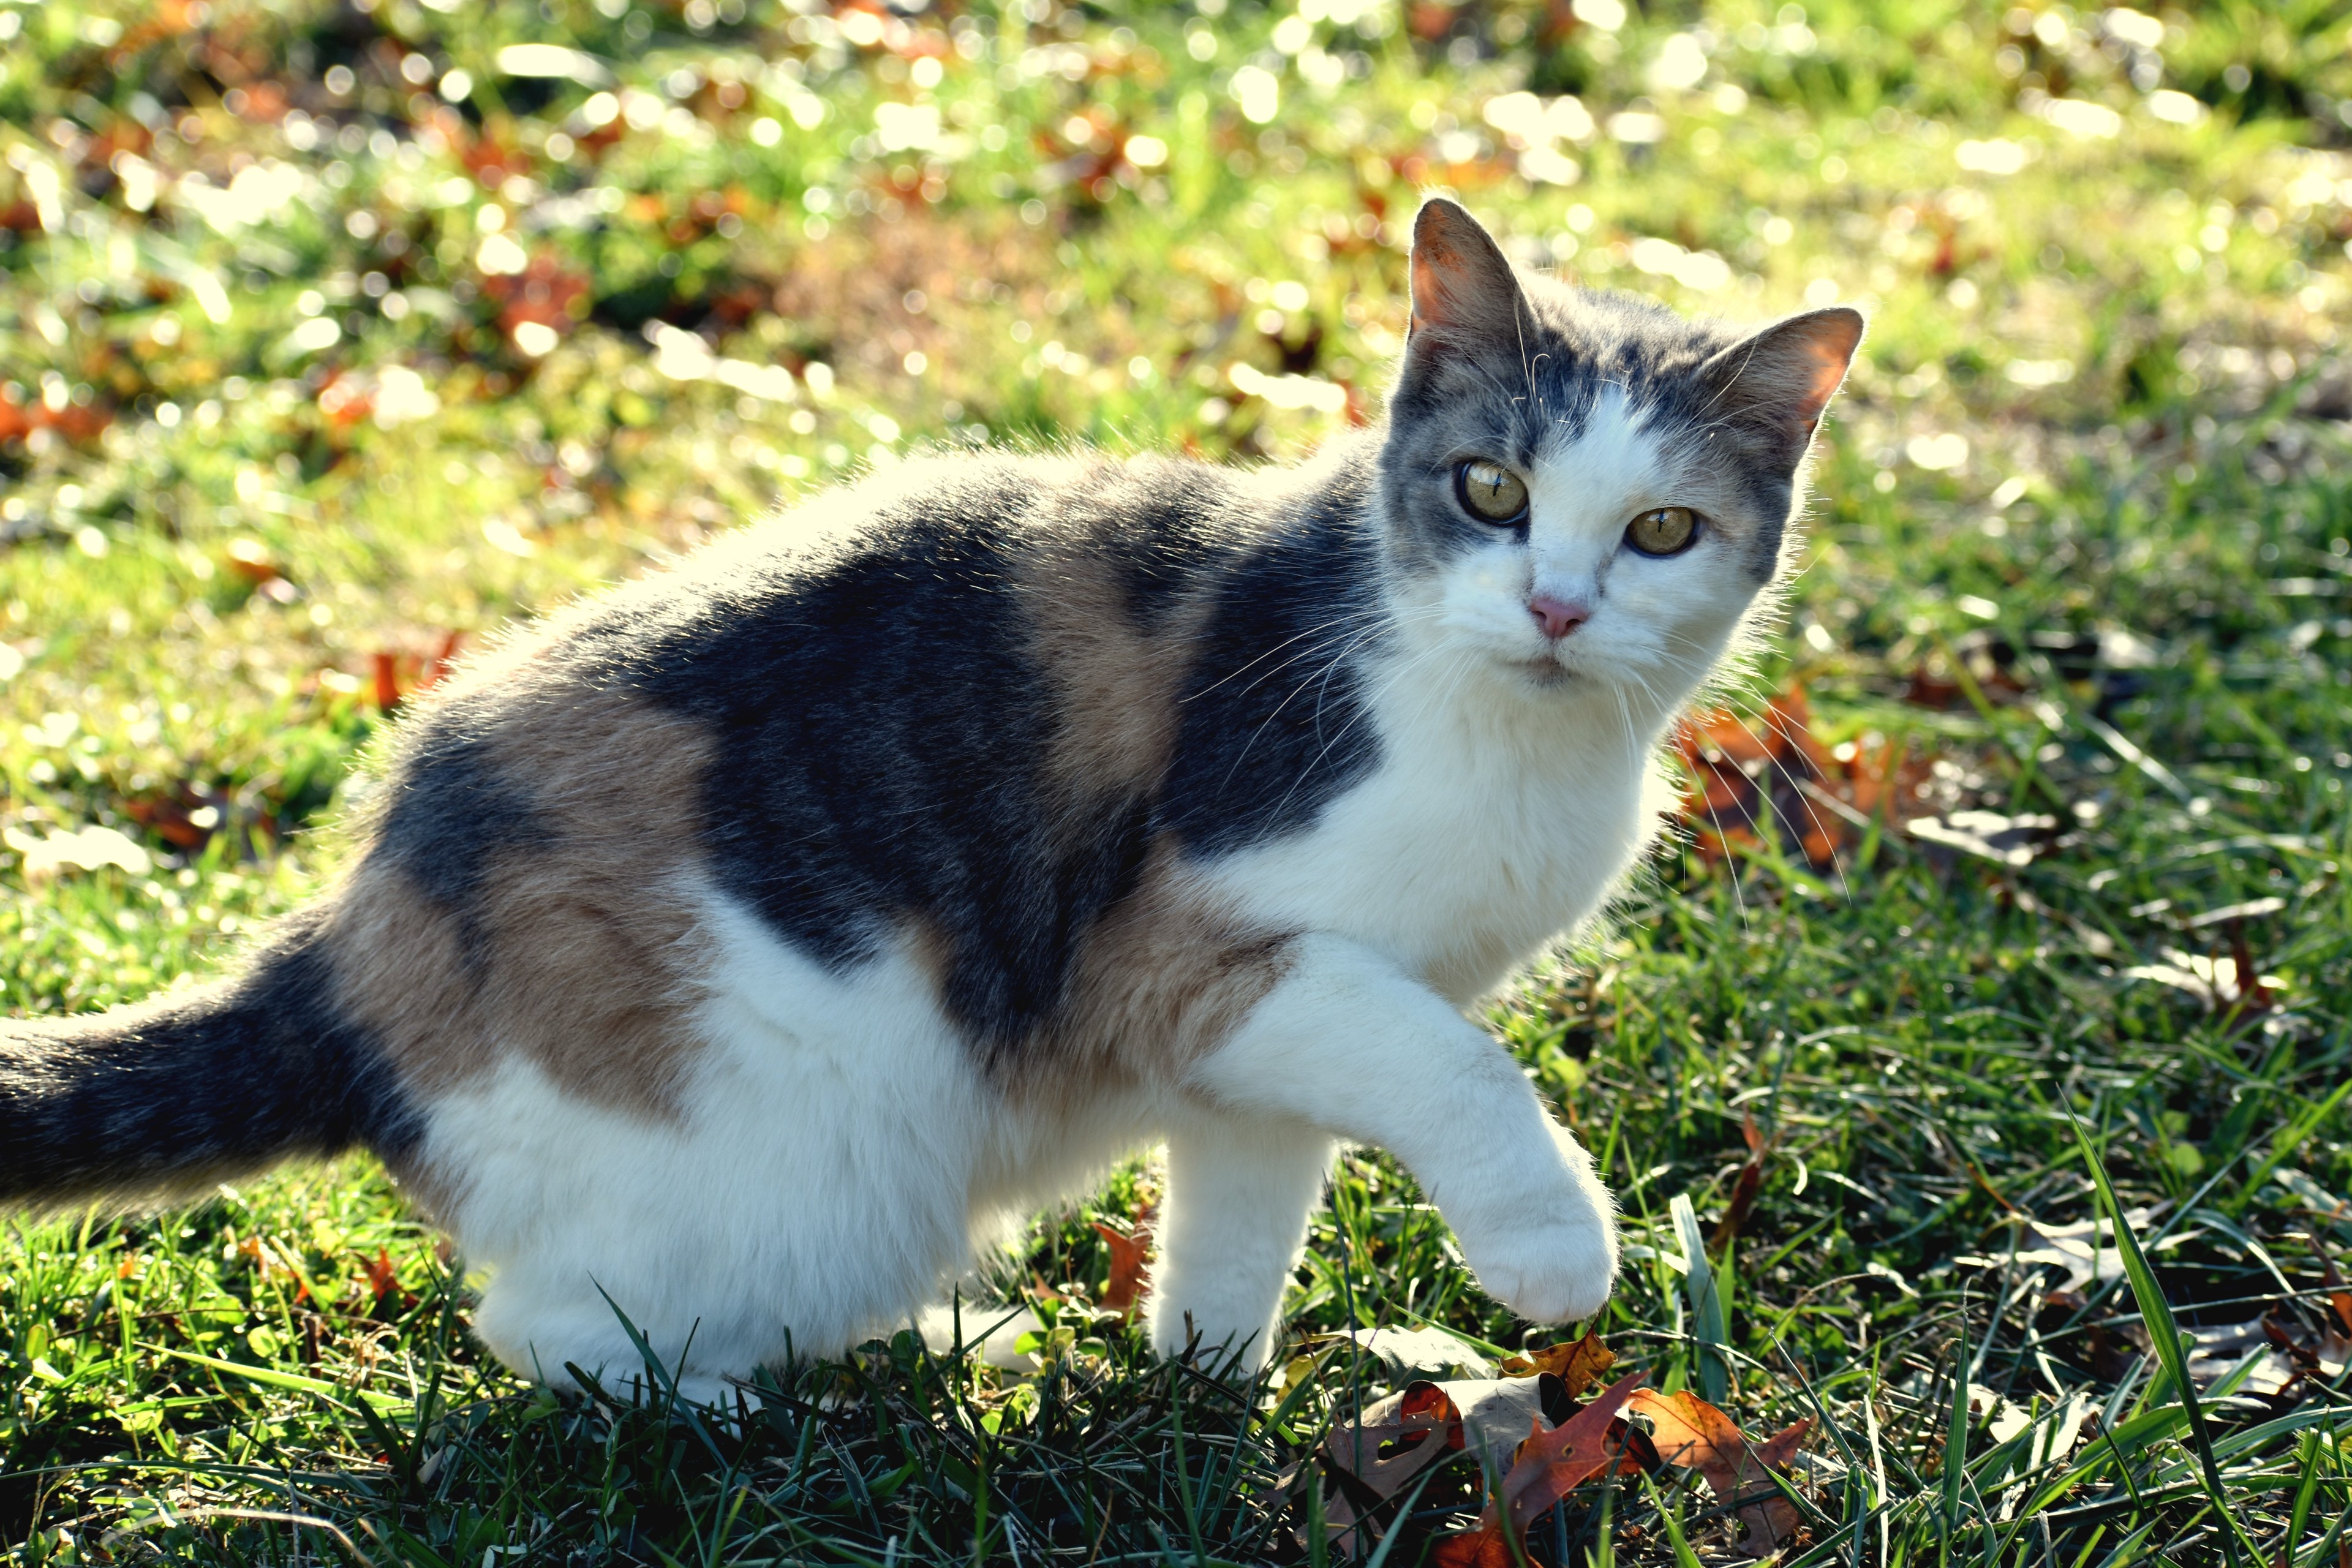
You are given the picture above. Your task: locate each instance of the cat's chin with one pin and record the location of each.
(1542, 673)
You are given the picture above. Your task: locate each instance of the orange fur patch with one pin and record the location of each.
(586, 965)
(1164, 978)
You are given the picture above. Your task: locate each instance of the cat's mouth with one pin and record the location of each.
(1544, 670)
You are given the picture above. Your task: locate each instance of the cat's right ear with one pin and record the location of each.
(1465, 294)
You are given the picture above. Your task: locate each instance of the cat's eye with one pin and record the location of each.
(1663, 531)
(1491, 492)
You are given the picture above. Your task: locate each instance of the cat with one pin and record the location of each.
(746, 949)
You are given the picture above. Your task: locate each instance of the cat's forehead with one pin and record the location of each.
(1588, 361)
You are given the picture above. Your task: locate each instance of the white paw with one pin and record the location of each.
(1548, 1271)
(1550, 1256)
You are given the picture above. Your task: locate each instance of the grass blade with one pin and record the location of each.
(1706, 1303)
(1955, 1435)
(2156, 1312)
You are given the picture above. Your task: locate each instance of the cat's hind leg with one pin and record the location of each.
(1240, 1188)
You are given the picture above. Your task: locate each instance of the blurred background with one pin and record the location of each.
(334, 333)
(364, 325)
(289, 287)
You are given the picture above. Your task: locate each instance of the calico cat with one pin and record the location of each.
(746, 948)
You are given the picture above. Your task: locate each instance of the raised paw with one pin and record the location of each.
(1547, 1250)
(1549, 1272)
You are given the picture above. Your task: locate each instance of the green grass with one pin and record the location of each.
(2102, 394)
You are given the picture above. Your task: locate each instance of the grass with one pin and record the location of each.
(2080, 553)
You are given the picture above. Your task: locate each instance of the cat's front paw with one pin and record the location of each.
(1548, 1271)
(1550, 1253)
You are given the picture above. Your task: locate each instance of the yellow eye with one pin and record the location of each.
(1663, 532)
(1491, 491)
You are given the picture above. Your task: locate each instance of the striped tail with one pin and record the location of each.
(174, 1094)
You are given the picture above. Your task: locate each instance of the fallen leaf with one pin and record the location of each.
(1745, 1188)
(1487, 1418)
(250, 559)
(1131, 1256)
(381, 1276)
(1550, 1465)
(1773, 776)
(1694, 1434)
(2012, 841)
(87, 849)
(387, 681)
(181, 815)
(2215, 1352)
(1419, 1426)
(1578, 1364)
(2077, 1248)
(2217, 983)
(398, 673)
(1424, 1351)
(2337, 1296)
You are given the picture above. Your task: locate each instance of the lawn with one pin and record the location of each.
(336, 333)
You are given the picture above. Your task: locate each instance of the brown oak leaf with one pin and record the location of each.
(1551, 1463)
(1578, 1364)
(1691, 1433)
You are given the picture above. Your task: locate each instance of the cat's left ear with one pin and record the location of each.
(1783, 377)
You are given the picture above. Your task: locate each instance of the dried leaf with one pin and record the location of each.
(387, 681)
(1419, 1426)
(2012, 841)
(2215, 1352)
(1553, 1463)
(1550, 1465)
(2337, 1296)
(250, 559)
(1693, 1434)
(1578, 1364)
(381, 1276)
(1745, 1188)
(2077, 1248)
(1131, 1254)
(1427, 1351)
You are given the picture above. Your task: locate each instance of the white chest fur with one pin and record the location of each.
(1499, 818)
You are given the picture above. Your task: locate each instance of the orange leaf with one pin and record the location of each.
(1578, 1364)
(1481, 1547)
(1129, 1252)
(250, 559)
(1550, 1465)
(387, 681)
(443, 660)
(2337, 1296)
(1692, 1433)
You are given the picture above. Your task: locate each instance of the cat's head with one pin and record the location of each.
(1584, 490)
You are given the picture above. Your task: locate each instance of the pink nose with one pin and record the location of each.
(1558, 617)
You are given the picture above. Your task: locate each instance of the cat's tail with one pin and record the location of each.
(171, 1094)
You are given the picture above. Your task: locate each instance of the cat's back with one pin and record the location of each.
(933, 574)
(938, 707)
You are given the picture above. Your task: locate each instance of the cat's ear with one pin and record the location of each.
(1464, 291)
(1785, 375)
